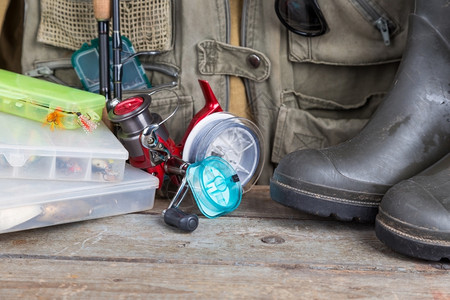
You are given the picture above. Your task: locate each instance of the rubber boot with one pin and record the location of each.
(409, 132)
(414, 215)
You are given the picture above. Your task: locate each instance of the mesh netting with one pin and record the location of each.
(70, 23)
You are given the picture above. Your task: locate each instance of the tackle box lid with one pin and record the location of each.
(48, 94)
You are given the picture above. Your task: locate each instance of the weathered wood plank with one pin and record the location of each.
(60, 279)
(230, 241)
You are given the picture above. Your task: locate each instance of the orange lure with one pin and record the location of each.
(55, 119)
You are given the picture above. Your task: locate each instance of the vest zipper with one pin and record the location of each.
(383, 27)
(377, 18)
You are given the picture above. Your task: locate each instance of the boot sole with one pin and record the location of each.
(322, 205)
(411, 245)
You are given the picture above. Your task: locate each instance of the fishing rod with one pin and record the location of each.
(117, 48)
(102, 12)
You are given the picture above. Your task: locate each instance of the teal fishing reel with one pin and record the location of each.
(216, 188)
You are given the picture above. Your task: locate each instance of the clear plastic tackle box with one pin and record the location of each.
(31, 150)
(27, 204)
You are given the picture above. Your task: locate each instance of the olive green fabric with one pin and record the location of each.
(302, 92)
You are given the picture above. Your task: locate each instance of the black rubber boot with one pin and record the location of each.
(414, 215)
(409, 132)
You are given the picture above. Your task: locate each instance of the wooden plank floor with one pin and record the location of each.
(262, 250)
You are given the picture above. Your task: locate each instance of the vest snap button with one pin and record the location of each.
(254, 60)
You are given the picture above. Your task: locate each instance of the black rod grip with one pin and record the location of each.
(103, 39)
(175, 217)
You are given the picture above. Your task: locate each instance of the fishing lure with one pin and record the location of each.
(55, 119)
(86, 122)
(104, 168)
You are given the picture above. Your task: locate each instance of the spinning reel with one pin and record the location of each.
(218, 159)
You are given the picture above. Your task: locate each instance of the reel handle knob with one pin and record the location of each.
(175, 217)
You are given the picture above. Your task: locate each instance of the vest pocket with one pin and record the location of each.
(306, 122)
(361, 32)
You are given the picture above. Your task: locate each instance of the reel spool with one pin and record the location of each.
(236, 140)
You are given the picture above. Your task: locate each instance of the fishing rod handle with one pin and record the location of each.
(102, 10)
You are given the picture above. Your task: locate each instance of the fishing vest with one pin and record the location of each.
(302, 92)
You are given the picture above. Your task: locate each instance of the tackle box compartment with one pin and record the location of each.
(27, 204)
(46, 102)
(33, 151)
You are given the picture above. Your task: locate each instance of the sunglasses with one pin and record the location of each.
(302, 17)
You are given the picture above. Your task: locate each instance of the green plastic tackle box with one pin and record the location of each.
(55, 105)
